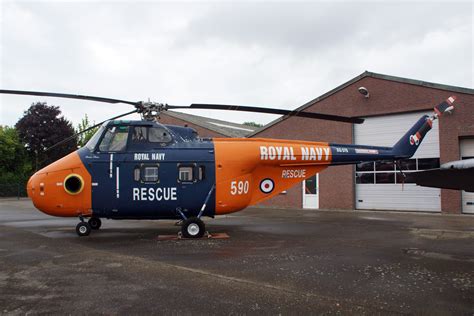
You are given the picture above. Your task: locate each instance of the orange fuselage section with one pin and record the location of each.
(46, 188)
(249, 171)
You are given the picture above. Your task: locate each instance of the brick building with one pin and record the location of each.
(393, 105)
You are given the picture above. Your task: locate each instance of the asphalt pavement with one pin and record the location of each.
(275, 262)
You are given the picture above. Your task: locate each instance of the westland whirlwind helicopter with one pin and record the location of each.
(146, 170)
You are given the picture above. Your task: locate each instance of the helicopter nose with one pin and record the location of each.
(62, 188)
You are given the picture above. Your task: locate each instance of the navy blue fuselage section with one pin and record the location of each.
(350, 154)
(148, 179)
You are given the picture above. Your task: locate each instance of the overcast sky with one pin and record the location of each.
(251, 53)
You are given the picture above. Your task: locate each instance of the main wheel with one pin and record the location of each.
(193, 227)
(83, 229)
(95, 222)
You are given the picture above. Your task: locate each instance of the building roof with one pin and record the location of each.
(225, 128)
(359, 77)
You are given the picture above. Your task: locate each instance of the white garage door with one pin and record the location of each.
(467, 152)
(379, 185)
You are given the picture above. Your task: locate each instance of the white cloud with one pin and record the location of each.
(265, 54)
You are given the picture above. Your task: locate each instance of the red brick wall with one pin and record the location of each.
(386, 97)
(203, 132)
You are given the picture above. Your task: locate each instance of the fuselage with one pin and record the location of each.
(145, 170)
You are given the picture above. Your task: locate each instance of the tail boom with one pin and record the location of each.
(403, 149)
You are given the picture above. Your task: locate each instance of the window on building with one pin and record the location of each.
(428, 163)
(115, 139)
(388, 172)
(407, 164)
(384, 166)
(362, 178)
(311, 185)
(365, 166)
(385, 177)
(402, 179)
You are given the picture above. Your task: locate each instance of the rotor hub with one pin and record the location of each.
(150, 110)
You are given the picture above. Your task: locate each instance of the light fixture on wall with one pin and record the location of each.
(364, 92)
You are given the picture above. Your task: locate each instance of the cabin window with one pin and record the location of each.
(115, 139)
(201, 173)
(149, 173)
(136, 174)
(185, 174)
(147, 134)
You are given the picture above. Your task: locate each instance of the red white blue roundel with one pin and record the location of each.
(267, 185)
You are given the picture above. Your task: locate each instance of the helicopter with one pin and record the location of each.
(141, 169)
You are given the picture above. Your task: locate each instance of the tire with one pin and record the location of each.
(95, 223)
(83, 229)
(193, 227)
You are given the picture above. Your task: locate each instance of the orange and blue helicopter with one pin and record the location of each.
(146, 170)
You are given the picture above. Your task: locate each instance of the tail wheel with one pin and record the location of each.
(83, 229)
(193, 227)
(95, 223)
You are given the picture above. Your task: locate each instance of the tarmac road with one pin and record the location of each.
(275, 262)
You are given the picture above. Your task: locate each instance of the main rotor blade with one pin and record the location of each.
(270, 111)
(66, 140)
(68, 96)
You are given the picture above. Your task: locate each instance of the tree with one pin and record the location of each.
(253, 124)
(41, 127)
(83, 138)
(15, 167)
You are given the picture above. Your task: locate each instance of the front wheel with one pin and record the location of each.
(193, 227)
(83, 229)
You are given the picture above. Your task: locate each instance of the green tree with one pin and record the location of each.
(40, 128)
(83, 138)
(15, 165)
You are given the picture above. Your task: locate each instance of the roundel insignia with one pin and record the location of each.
(267, 185)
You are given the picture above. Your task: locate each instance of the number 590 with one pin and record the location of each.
(239, 187)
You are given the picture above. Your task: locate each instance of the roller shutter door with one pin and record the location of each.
(467, 151)
(379, 185)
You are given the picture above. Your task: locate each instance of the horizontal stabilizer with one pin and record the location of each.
(445, 106)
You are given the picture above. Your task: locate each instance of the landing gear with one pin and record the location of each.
(95, 223)
(83, 229)
(193, 227)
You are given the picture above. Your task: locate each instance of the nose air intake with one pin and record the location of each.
(73, 184)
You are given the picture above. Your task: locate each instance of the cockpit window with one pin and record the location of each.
(115, 139)
(155, 134)
(158, 135)
(95, 138)
(139, 134)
